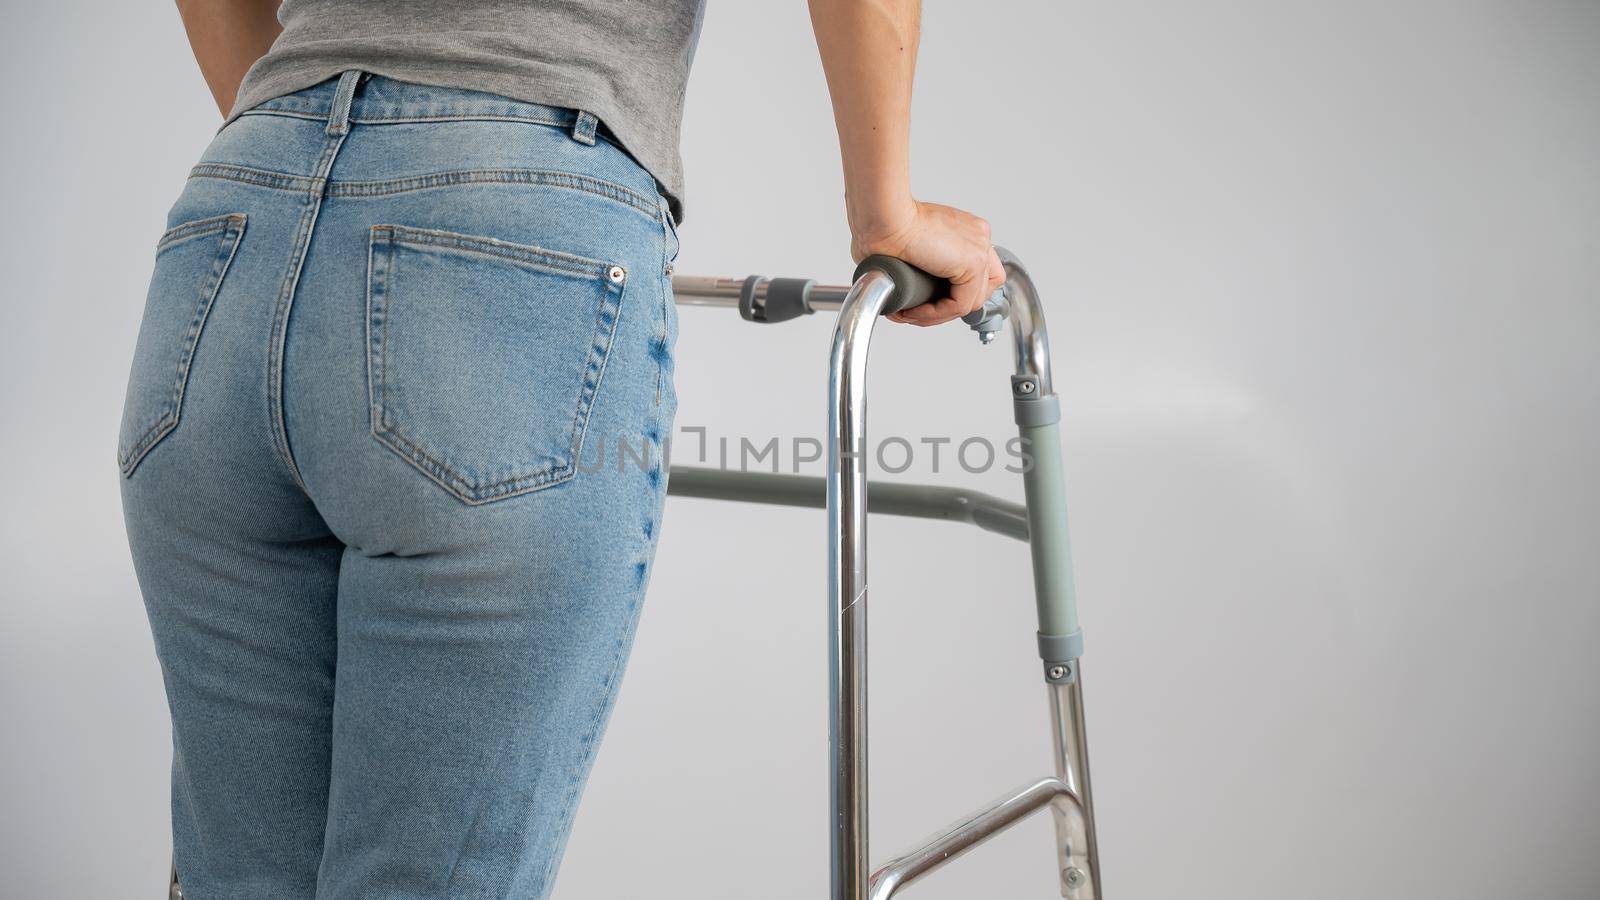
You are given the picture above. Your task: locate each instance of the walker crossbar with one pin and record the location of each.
(972, 831)
(923, 501)
(881, 286)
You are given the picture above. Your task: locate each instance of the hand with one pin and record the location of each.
(943, 241)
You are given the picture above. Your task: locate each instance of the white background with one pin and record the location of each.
(1324, 288)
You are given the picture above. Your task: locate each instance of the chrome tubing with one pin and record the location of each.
(1077, 849)
(1031, 341)
(847, 583)
(710, 290)
(972, 831)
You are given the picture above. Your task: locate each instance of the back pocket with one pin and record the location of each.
(484, 356)
(191, 261)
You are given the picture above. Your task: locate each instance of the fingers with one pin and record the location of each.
(997, 270)
(936, 312)
(970, 293)
(966, 297)
(970, 285)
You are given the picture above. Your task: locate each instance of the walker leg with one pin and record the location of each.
(1077, 853)
(1038, 415)
(847, 583)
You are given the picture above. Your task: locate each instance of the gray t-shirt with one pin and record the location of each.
(626, 61)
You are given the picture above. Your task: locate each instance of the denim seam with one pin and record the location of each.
(608, 189)
(538, 177)
(599, 356)
(390, 434)
(279, 331)
(232, 229)
(417, 118)
(666, 313)
(287, 113)
(195, 229)
(561, 263)
(259, 177)
(402, 119)
(322, 116)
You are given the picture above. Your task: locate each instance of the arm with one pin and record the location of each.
(869, 54)
(227, 37)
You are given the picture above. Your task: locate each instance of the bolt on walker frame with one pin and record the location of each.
(883, 285)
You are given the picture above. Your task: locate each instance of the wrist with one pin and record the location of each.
(877, 223)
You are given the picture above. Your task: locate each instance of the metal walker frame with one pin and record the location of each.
(883, 285)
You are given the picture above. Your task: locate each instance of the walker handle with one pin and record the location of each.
(912, 286)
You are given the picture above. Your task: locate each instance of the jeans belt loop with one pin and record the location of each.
(343, 97)
(584, 127)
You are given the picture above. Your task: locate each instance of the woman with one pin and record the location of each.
(419, 282)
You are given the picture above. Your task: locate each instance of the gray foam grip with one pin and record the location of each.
(787, 298)
(912, 286)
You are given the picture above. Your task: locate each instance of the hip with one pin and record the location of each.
(462, 287)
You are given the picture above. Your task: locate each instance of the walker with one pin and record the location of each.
(884, 285)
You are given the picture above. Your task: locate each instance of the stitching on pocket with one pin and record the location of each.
(587, 184)
(231, 227)
(561, 263)
(381, 266)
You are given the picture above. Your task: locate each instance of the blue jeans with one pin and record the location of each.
(394, 455)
